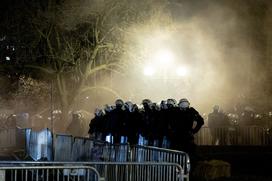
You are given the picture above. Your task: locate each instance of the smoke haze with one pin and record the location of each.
(223, 44)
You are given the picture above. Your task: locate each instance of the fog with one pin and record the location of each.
(222, 44)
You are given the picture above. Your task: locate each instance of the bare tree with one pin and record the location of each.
(77, 49)
(70, 44)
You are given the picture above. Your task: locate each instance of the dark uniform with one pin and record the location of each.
(219, 123)
(134, 123)
(147, 121)
(107, 123)
(96, 126)
(164, 127)
(76, 126)
(183, 130)
(172, 120)
(155, 126)
(117, 118)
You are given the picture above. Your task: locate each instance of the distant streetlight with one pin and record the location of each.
(164, 56)
(160, 60)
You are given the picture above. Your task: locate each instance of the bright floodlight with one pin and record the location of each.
(182, 71)
(149, 71)
(164, 56)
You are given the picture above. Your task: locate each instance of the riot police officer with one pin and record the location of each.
(165, 125)
(146, 119)
(118, 121)
(183, 127)
(218, 123)
(108, 126)
(126, 125)
(134, 124)
(155, 126)
(96, 125)
(76, 126)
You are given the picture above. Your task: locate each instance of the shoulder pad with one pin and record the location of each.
(193, 110)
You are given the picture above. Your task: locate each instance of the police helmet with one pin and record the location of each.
(146, 103)
(128, 105)
(119, 102)
(99, 112)
(171, 102)
(163, 104)
(184, 103)
(155, 106)
(135, 107)
(216, 108)
(108, 108)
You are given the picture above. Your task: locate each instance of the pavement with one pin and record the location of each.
(249, 162)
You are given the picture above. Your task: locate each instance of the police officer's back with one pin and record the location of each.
(118, 121)
(96, 125)
(134, 125)
(147, 119)
(219, 123)
(217, 119)
(183, 127)
(76, 127)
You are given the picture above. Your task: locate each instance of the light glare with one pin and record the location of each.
(182, 71)
(164, 56)
(149, 71)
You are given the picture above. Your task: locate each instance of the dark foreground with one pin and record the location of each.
(248, 163)
(238, 178)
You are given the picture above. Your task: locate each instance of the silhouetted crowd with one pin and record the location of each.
(239, 127)
(168, 124)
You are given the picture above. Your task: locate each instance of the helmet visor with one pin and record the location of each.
(184, 105)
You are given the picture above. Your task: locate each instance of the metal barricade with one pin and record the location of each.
(83, 149)
(252, 135)
(106, 171)
(119, 152)
(39, 145)
(63, 147)
(105, 152)
(145, 171)
(68, 148)
(233, 135)
(154, 154)
(48, 173)
(8, 138)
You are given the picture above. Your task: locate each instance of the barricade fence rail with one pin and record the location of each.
(106, 171)
(84, 149)
(34, 172)
(147, 153)
(16, 138)
(12, 138)
(234, 135)
(7, 138)
(68, 148)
